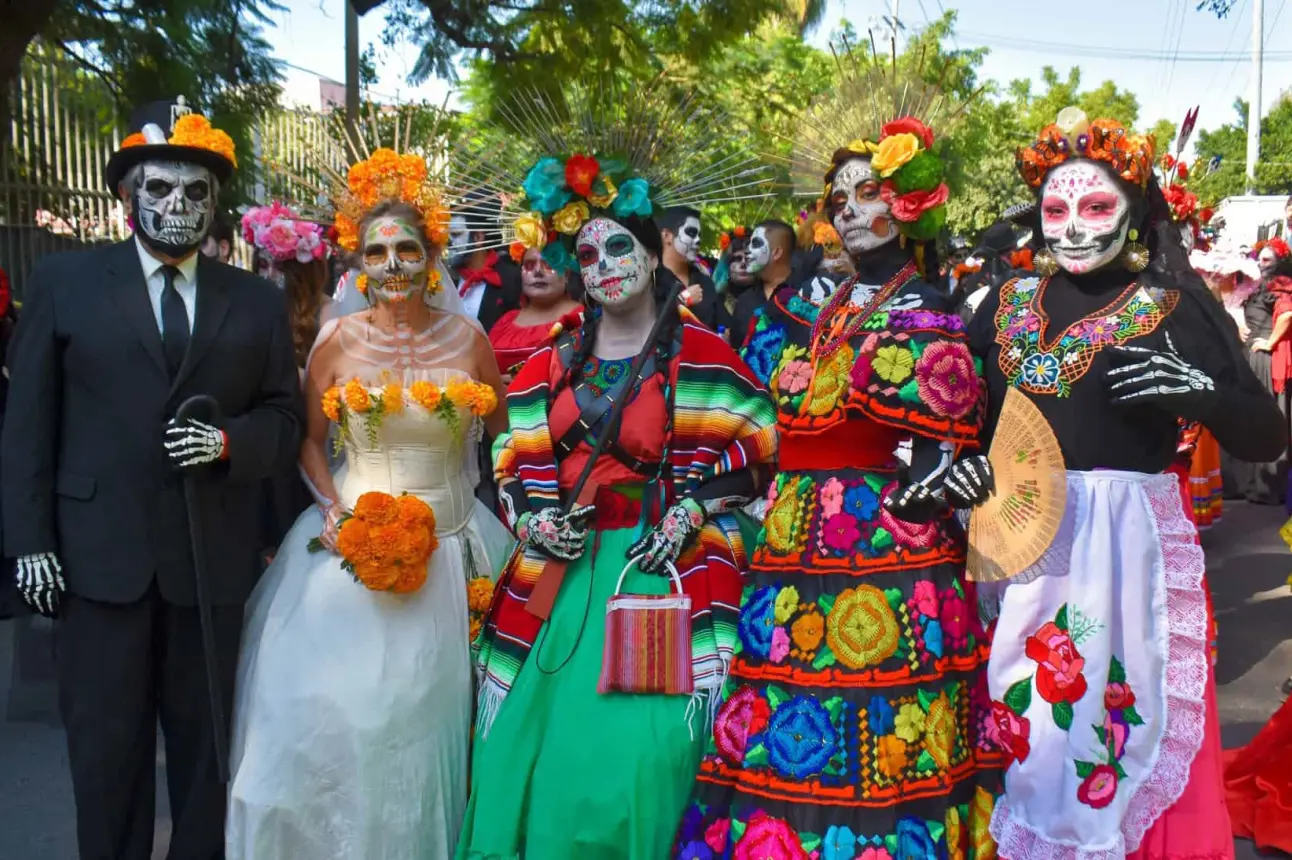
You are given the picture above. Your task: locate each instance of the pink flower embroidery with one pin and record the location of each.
(1099, 788)
(907, 535)
(926, 598)
(1011, 732)
(744, 714)
(947, 380)
(1115, 730)
(768, 838)
(955, 618)
(794, 377)
(873, 853)
(831, 498)
(1059, 665)
(862, 370)
(716, 836)
(780, 645)
(841, 533)
(1118, 696)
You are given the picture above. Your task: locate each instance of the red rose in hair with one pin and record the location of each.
(910, 206)
(580, 172)
(908, 125)
(1280, 247)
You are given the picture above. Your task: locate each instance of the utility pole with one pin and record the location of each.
(351, 69)
(1254, 109)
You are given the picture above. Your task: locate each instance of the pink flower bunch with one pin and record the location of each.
(280, 233)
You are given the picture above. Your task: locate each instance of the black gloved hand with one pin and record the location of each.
(970, 482)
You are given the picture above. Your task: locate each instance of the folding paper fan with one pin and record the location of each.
(1014, 528)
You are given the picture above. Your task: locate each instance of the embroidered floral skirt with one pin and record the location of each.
(852, 723)
(1099, 675)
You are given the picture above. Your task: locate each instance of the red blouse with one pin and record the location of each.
(514, 344)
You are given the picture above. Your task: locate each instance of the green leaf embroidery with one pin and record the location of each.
(882, 539)
(910, 392)
(926, 700)
(824, 658)
(1132, 717)
(1062, 713)
(895, 599)
(1061, 619)
(775, 696)
(738, 830)
(936, 829)
(809, 841)
(925, 762)
(890, 842)
(1116, 672)
(1018, 698)
(1117, 766)
(1084, 768)
(756, 755)
(1102, 734)
(825, 603)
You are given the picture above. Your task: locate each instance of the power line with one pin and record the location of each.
(1061, 48)
(1175, 54)
(1238, 18)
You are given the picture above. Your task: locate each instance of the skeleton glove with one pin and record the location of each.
(40, 582)
(560, 536)
(970, 482)
(191, 443)
(1160, 377)
(919, 499)
(662, 545)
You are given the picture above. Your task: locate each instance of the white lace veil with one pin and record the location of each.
(348, 300)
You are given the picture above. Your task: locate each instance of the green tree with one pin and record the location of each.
(1228, 143)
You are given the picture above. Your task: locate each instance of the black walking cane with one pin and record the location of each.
(543, 596)
(203, 407)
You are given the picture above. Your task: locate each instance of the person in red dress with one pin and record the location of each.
(518, 334)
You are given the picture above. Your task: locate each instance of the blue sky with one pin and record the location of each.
(310, 35)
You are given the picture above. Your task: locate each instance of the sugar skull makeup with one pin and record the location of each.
(738, 268)
(1268, 261)
(459, 240)
(538, 280)
(615, 266)
(173, 205)
(858, 212)
(687, 240)
(395, 259)
(1085, 216)
(760, 251)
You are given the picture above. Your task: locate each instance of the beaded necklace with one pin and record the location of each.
(822, 344)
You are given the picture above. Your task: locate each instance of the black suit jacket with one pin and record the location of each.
(84, 470)
(498, 300)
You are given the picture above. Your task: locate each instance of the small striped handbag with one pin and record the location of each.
(648, 641)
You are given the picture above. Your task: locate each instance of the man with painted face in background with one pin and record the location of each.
(111, 342)
(218, 244)
(768, 259)
(679, 226)
(488, 283)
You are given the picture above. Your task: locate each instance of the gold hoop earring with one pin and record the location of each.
(1135, 256)
(1044, 263)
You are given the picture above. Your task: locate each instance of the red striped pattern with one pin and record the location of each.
(648, 645)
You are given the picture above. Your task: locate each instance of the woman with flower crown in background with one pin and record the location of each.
(353, 717)
(577, 756)
(1100, 671)
(850, 726)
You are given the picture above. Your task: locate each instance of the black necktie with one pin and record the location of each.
(174, 322)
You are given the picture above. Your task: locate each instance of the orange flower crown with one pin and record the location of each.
(196, 131)
(1073, 135)
(387, 175)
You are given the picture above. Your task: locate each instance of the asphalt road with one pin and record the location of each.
(1248, 566)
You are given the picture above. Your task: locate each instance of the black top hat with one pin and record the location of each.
(162, 114)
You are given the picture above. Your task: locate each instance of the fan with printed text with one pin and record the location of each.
(1012, 530)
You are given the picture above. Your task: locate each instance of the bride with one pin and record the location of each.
(353, 710)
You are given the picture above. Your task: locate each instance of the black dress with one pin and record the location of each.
(1260, 483)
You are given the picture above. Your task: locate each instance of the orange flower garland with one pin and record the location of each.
(195, 130)
(356, 396)
(386, 542)
(1073, 136)
(387, 175)
(425, 394)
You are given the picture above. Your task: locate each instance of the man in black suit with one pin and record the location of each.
(111, 342)
(488, 283)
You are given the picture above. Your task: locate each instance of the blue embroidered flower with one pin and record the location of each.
(758, 621)
(545, 186)
(933, 638)
(840, 843)
(692, 826)
(803, 308)
(1041, 369)
(914, 841)
(800, 737)
(556, 255)
(633, 199)
(861, 502)
(764, 350)
(881, 716)
(1026, 286)
(695, 851)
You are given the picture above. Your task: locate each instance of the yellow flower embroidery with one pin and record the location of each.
(893, 364)
(909, 723)
(984, 847)
(781, 523)
(861, 629)
(940, 732)
(787, 601)
(890, 755)
(955, 844)
(830, 381)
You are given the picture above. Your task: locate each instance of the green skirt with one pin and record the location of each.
(567, 773)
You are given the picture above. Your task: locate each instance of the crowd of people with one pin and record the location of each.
(345, 524)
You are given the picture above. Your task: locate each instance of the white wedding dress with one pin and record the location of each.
(353, 709)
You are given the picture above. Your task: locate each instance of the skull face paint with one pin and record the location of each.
(859, 214)
(1085, 216)
(266, 268)
(173, 203)
(738, 268)
(394, 259)
(538, 281)
(459, 240)
(1267, 261)
(687, 240)
(760, 251)
(615, 266)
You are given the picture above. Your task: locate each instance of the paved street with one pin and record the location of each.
(1248, 565)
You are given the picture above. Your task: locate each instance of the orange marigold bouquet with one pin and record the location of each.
(386, 541)
(479, 599)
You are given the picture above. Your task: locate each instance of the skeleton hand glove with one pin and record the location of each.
(40, 582)
(555, 534)
(661, 546)
(970, 482)
(918, 498)
(192, 443)
(1160, 377)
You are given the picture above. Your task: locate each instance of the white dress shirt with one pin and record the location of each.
(474, 298)
(185, 283)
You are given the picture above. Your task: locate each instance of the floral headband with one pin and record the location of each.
(725, 240)
(1073, 135)
(280, 233)
(561, 195)
(1277, 245)
(913, 176)
(196, 131)
(388, 175)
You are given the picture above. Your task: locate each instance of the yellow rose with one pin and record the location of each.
(530, 230)
(570, 218)
(603, 201)
(893, 152)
